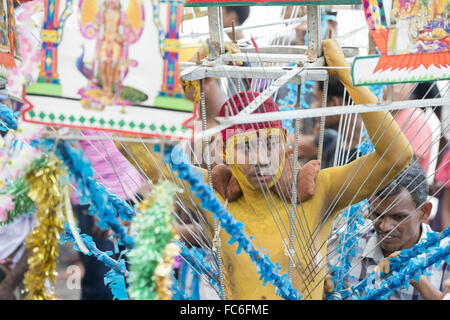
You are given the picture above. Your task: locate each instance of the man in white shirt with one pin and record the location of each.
(399, 214)
(13, 255)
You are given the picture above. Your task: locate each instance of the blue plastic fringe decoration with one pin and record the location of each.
(115, 278)
(105, 205)
(196, 261)
(268, 271)
(288, 102)
(116, 282)
(178, 292)
(346, 248)
(412, 269)
(355, 220)
(8, 119)
(185, 270)
(432, 239)
(378, 90)
(93, 250)
(428, 245)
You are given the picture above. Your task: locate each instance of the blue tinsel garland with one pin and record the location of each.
(105, 205)
(115, 278)
(355, 220)
(432, 239)
(413, 269)
(8, 119)
(346, 247)
(405, 255)
(178, 292)
(426, 245)
(196, 261)
(116, 282)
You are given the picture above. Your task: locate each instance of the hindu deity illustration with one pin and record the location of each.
(413, 45)
(419, 26)
(4, 39)
(8, 37)
(114, 30)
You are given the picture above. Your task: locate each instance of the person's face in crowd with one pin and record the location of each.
(330, 121)
(331, 32)
(400, 92)
(288, 14)
(397, 221)
(228, 17)
(259, 158)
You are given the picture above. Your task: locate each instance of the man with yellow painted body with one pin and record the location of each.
(340, 186)
(335, 189)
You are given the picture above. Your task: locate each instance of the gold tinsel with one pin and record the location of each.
(163, 270)
(187, 85)
(42, 242)
(171, 250)
(141, 156)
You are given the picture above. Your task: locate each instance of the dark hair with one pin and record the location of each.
(335, 88)
(242, 12)
(426, 90)
(413, 179)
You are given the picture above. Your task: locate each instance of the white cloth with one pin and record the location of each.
(13, 235)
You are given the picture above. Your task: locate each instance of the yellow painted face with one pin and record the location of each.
(256, 157)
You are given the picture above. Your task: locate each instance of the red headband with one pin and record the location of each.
(236, 104)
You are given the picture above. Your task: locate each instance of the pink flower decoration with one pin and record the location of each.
(6, 204)
(3, 215)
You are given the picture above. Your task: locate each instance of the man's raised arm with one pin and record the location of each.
(357, 180)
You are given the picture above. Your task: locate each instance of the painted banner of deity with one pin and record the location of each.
(114, 30)
(110, 65)
(217, 3)
(419, 26)
(8, 34)
(412, 37)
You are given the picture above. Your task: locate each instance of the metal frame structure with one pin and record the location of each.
(299, 73)
(309, 65)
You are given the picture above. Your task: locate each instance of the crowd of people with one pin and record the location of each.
(394, 178)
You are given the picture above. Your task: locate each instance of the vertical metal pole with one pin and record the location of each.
(233, 36)
(294, 187)
(322, 122)
(314, 32)
(216, 28)
(215, 23)
(209, 167)
(315, 51)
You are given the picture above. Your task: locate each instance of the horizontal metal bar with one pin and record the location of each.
(320, 112)
(274, 86)
(240, 28)
(349, 52)
(264, 57)
(332, 111)
(73, 136)
(190, 72)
